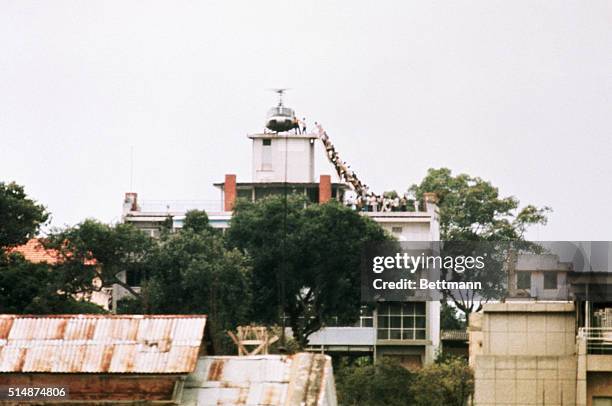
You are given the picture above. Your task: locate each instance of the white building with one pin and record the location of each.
(285, 162)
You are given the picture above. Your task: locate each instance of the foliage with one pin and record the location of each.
(197, 221)
(25, 287)
(449, 319)
(305, 260)
(20, 216)
(192, 271)
(471, 210)
(93, 251)
(385, 383)
(449, 382)
(28, 288)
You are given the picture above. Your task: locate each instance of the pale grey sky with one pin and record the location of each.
(517, 92)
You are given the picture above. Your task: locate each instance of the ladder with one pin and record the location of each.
(342, 168)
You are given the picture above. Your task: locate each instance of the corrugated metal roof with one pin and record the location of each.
(100, 343)
(300, 379)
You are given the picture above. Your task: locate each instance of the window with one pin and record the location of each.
(135, 277)
(401, 321)
(396, 230)
(550, 280)
(266, 155)
(523, 280)
(365, 317)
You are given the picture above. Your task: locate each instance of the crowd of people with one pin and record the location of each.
(374, 203)
(364, 200)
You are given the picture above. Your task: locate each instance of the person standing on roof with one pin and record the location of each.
(319, 127)
(296, 125)
(303, 125)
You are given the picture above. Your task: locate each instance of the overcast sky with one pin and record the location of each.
(516, 92)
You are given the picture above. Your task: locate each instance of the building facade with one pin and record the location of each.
(537, 353)
(284, 163)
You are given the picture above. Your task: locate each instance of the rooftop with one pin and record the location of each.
(100, 343)
(34, 251)
(300, 379)
(283, 135)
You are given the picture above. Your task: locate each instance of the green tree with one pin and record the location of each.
(93, 251)
(471, 208)
(385, 383)
(305, 260)
(449, 319)
(34, 288)
(26, 287)
(197, 221)
(473, 216)
(191, 271)
(446, 383)
(20, 216)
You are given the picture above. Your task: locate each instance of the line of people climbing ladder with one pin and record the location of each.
(365, 200)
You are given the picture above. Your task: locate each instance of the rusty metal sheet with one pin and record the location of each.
(300, 379)
(100, 343)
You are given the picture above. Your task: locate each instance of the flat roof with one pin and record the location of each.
(280, 184)
(283, 136)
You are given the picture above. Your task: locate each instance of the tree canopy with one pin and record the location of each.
(471, 208)
(93, 251)
(27, 287)
(191, 271)
(471, 211)
(305, 260)
(447, 382)
(20, 216)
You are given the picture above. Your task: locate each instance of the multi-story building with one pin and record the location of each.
(285, 163)
(551, 342)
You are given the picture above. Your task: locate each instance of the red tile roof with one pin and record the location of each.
(34, 251)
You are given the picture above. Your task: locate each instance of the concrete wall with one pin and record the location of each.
(524, 354)
(292, 153)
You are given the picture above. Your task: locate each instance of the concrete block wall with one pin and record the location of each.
(525, 380)
(524, 354)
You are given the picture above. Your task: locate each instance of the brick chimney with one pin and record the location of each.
(229, 191)
(130, 202)
(325, 189)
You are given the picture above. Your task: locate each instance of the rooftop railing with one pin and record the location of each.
(599, 339)
(179, 206)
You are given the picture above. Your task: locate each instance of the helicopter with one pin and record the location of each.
(281, 118)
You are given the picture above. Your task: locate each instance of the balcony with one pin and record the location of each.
(598, 340)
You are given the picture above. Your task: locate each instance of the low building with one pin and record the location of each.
(536, 353)
(96, 359)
